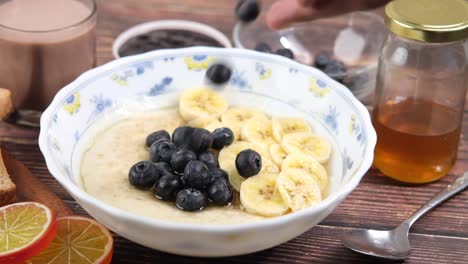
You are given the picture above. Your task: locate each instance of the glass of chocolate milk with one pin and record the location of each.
(44, 45)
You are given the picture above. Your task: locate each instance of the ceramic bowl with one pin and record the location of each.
(354, 38)
(171, 24)
(271, 83)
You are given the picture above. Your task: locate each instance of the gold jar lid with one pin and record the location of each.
(428, 20)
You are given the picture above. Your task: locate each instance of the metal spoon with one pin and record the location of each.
(394, 244)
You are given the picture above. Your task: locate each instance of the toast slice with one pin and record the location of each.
(7, 187)
(6, 104)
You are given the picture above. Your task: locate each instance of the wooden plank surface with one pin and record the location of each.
(378, 202)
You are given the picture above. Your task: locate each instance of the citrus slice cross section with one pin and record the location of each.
(25, 230)
(79, 240)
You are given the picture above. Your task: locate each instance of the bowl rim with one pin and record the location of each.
(82, 196)
(239, 26)
(189, 25)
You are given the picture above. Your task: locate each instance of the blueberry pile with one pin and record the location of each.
(335, 68)
(265, 48)
(184, 168)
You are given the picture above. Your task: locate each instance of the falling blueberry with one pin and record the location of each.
(218, 73)
(247, 10)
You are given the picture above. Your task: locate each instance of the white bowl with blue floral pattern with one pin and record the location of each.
(275, 84)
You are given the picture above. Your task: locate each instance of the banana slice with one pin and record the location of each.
(277, 154)
(268, 166)
(309, 165)
(298, 189)
(258, 195)
(287, 125)
(258, 130)
(227, 160)
(205, 122)
(200, 103)
(308, 144)
(238, 115)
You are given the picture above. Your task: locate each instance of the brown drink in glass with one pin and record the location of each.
(44, 45)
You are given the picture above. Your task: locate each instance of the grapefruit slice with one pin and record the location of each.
(79, 240)
(25, 230)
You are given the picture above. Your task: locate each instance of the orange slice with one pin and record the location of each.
(25, 230)
(79, 240)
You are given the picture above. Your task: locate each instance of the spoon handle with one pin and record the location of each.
(458, 185)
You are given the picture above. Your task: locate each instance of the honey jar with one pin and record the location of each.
(421, 89)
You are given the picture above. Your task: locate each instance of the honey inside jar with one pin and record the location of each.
(417, 140)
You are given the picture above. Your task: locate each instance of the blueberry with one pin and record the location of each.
(248, 163)
(222, 137)
(182, 135)
(201, 140)
(217, 173)
(162, 169)
(285, 53)
(181, 157)
(247, 10)
(263, 47)
(220, 192)
(143, 174)
(357, 82)
(196, 175)
(336, 70)
(209, 158)
(155, 136)
(167, 187)
(321, 60)
(162, 150)
(218, 73)
(191, 200)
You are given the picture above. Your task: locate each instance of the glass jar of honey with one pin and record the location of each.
(421, 88)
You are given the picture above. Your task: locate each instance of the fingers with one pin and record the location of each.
(285, 12)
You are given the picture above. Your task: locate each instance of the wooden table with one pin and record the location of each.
(378, 202)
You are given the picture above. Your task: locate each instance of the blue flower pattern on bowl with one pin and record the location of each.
(239, 80)
(100, 104)
(160, 87)
(356, 130)
(331, 117)
(263, 72)
(138, 69)
(347, 162)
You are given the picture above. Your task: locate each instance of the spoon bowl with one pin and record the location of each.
(392, 244)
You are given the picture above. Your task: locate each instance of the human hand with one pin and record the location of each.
(285, 12)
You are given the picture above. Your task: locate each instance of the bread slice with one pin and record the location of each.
(6, 104)
(7, 187)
